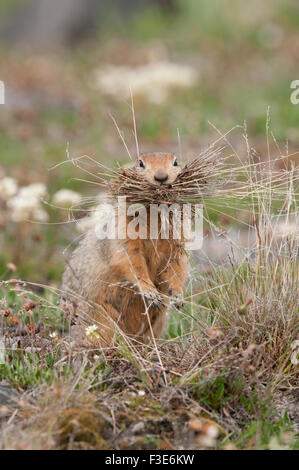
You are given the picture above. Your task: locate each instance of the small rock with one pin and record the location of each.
(195, 425)
(137, 428)
(8, 395)
(4, 411)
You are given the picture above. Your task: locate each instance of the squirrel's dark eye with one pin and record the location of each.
(175, 163)
(141, 164)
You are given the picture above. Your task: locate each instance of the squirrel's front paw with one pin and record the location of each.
(152, 298)
(176, 297)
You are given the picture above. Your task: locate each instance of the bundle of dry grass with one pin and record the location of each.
(198, 178)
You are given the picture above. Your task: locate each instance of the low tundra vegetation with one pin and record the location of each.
(224, 376)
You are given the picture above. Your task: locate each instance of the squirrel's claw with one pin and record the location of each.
(152, 298)
(176, 297)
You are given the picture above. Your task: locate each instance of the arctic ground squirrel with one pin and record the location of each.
(128, 284)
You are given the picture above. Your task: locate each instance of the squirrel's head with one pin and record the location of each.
(158, 167)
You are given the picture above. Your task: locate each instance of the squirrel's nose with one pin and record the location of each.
(161, 176)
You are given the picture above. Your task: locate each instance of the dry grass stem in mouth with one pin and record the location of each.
(197, 179)
(209, 176)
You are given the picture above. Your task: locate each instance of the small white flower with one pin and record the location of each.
(26, 209)
(66, 198)
(54, 337)
(26, 204)
(23, 203)
(37, 190)
(22, 207)
(212, 431)
(141, 393)
(152, 81)
(40, 215)
(91, 331)
(8, 188)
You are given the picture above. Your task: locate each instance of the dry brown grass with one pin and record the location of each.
(198, 178)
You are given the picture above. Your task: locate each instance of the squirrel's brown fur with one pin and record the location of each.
(128, 282)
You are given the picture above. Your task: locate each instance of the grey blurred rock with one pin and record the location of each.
(8, 396)
(47, 23)
(217, 249)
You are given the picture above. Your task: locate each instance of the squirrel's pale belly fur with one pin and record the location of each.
(115, 282)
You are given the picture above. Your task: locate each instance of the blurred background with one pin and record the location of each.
(67, 65)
